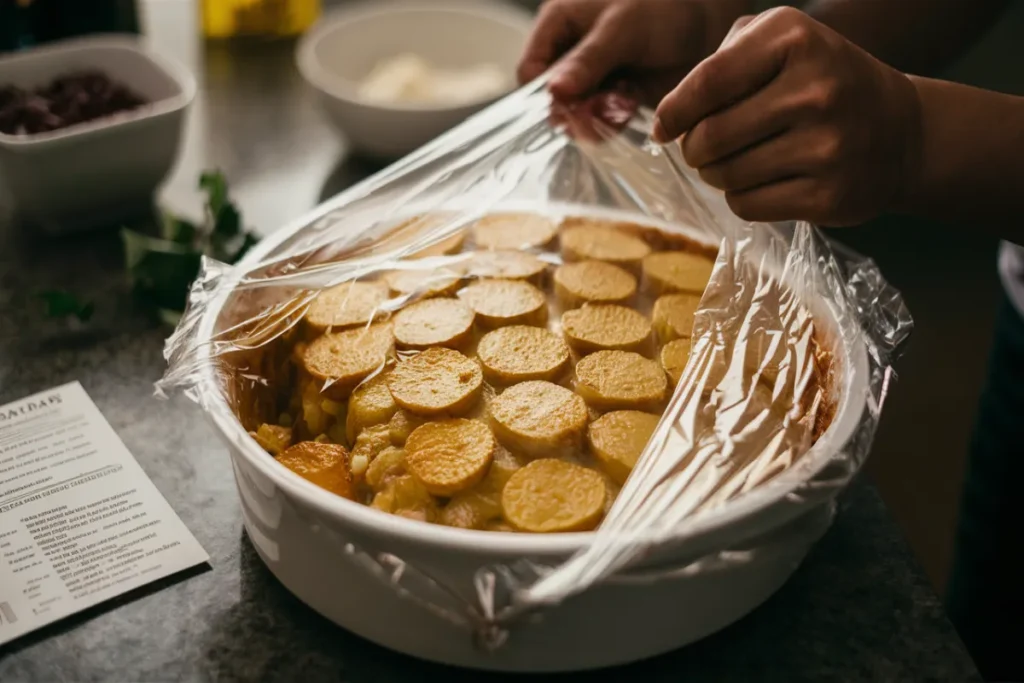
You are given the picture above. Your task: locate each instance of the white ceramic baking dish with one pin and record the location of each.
(306, 536)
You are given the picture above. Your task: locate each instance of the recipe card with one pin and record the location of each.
(80, 522)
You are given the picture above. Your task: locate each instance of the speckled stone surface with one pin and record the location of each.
(859, 609)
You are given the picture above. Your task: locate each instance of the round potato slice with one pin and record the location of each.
(520, 353)
(324, 464)
(676, 271)
(506, 302)
(674, 356)
(618, 438)
(620, 380)
(539, 419)
(605, 326)
(549, 496)
(584, 239)
(344, 359)
(507, 265)
(449, 456)
(424, 283)
(347, 305)
(436, 381)
(370, 404)
(401, 425)
(433, 322)
(416, 228)
(673, 316)
(513, 231)
(592, 281)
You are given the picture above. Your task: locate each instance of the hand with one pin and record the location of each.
(659, 40)
(794, 122)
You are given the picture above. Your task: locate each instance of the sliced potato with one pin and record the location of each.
(389, 463)
(507, 265)
(674, 357)
(346, 305)
(449, 456)
(520, 353)
(620, 380)
(406, 496)
(665, 272)
(342, 360)
(584, 238)
(539, 419)
(433, 322)
(273, 438)
(401, 425)
(370, 404)
(423, 283)
(592, 281)
(618, 438)
(513, 231)
(436, 381)
(606, 326)
(323, 464)
(673, 316)
(550, 496)
(506, 302)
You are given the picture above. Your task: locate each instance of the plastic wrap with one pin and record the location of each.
(776, 408)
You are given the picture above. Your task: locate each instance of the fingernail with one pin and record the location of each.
(658, 132)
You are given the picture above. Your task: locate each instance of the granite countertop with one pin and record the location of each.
(859, 609)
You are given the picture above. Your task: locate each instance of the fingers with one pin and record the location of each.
(607, 46)
(790, 199)
(746, 61)
(553, 30)
(790, 154)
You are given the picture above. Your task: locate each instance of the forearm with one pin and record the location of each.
(915, 36)
(970, 166)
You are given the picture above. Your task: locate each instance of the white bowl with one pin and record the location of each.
(307, 537)
(97, 172)
(342, 49)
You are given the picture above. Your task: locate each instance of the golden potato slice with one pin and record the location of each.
(436, 381)
(584, 239)
(620, 380)
(673, 316)
(513, 231)
(618, 438)
(342, 360)
(449, 456)
(676, 271)
(433, 322)
(401, 425)
(507, 265)
(549, 496)
(406, 496)
(370, 443)
(389, 463)
(347, 305)
(370, 404)
(674, 356)
(605, 326)
(273, 438)
(423, 283)
(539, 419)
(418, 227)
(471, 510)
(506, 302)
(593, 281)
(448, 245)
(520, 353)
(323, 464)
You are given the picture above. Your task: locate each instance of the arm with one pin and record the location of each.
(971, 164)
(915, 36)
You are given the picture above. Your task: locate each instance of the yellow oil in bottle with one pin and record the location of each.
(235, 18)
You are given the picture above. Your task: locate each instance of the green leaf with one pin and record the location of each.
(178, 229)
(62, 304)
(228, 222)
(216, 188)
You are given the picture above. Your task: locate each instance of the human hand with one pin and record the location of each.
(658, 40)
(794, 122)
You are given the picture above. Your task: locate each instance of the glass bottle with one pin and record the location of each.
(234, 18)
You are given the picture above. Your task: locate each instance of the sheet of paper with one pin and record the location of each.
(80, 522)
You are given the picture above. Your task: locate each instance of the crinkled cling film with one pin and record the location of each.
(772, 414)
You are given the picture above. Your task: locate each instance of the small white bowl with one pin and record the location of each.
(342, 49)
(101, 171)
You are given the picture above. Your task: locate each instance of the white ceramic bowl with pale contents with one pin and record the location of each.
(342, 50)
(305, 534)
